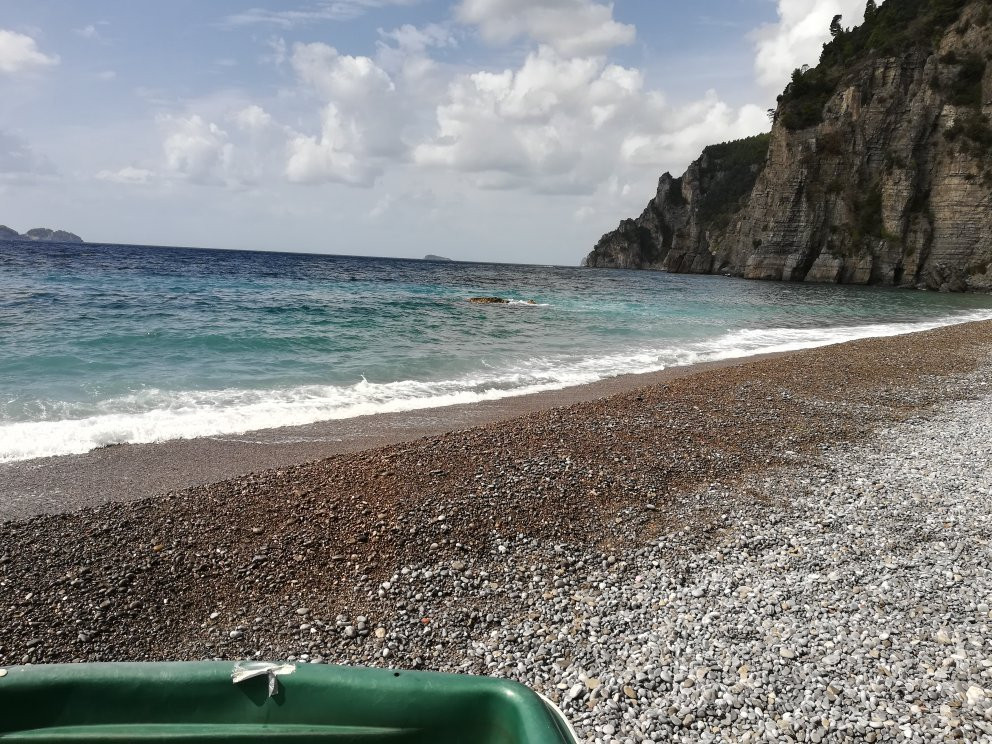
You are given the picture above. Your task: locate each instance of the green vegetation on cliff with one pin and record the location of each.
(897, 27)
(728, 172)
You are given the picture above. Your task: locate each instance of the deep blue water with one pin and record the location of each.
(111, 343)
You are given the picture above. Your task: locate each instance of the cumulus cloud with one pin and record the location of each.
(798, 36)
(246, 148)
(196, 149)
(530, 120)
(571, 27)
(252, 118)
(342, 77)
(333, 155)
(361, 120)
(563, 120)
(686, 130)
(566, 124)
(20, 53)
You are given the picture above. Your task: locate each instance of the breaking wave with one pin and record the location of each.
(155, 415)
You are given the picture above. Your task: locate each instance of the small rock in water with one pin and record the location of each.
(488, 300)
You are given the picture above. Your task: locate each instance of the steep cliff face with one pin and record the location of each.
(885, 179)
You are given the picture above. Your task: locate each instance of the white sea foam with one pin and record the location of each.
(153, 415)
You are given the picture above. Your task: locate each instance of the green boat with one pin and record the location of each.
(260, 702)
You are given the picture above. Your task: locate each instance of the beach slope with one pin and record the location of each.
(792, 544)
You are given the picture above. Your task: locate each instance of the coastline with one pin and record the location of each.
(65, 483)
(123, 472)
(655, 561)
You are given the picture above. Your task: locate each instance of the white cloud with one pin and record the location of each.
(565, 125)
(196, 149)
(340, 77)
(252, 118)
(533, 121)
(20, 53)
(404, 52)
(106, 75)
(420, 38)
(247, 151)
(571, 27)
(688, 129)
(361, 121)
(564, 120)
(316, 12)
(331, 156)
(798, 36)
(130, 175)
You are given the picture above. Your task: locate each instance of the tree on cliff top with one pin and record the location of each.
(894, 28)
(835, 28)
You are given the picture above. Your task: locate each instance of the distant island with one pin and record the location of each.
(432, 257)
(40, 234)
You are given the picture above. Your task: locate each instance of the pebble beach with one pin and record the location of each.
(792, 549)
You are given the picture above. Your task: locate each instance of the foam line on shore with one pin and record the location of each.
(154, 415)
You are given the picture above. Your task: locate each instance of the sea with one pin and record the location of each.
(104, 344)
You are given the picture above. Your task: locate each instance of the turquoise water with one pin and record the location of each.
(105, 344)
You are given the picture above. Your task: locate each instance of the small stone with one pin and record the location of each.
(786, 653)
(629, 692)
(458, 565)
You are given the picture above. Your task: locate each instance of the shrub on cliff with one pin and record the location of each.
(728, 172)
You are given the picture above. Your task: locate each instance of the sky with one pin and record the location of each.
(485, 130)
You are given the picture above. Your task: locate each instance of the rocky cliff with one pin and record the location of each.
(878, 168)
(42, 234)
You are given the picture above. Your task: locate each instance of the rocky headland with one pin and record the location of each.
(877, 169)
(40, 234)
